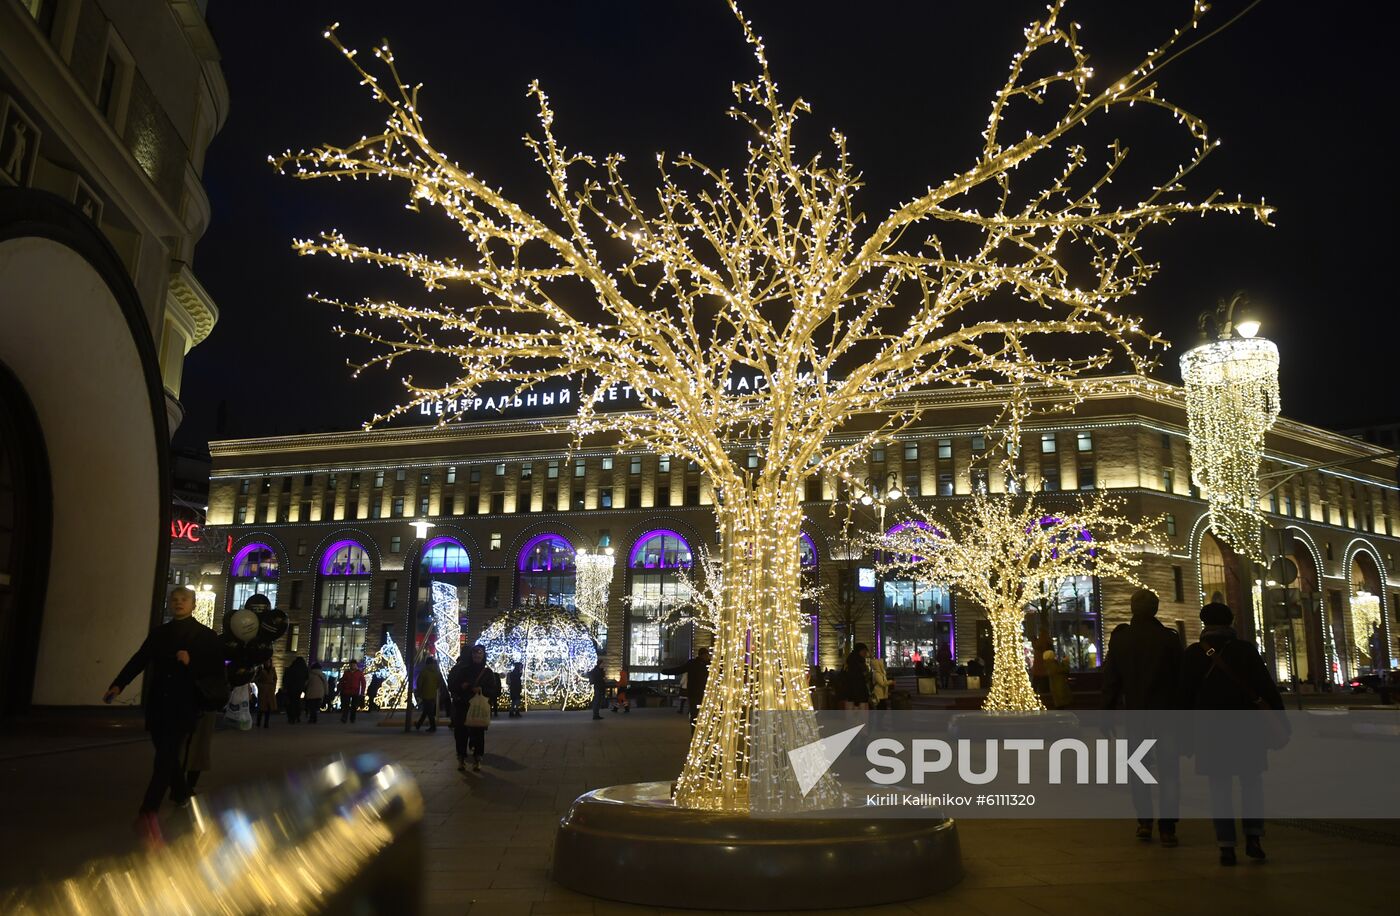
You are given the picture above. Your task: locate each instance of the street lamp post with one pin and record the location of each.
(420, 529)
(877, 493)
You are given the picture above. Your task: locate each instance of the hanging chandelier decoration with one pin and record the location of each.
(593, 574)
(1232, 399)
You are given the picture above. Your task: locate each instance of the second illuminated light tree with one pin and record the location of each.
(771, 269)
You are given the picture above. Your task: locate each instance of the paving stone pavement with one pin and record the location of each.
(489, 836)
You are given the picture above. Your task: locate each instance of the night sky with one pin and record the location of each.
(1300, 104)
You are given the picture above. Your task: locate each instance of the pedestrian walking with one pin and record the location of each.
(696, 675)
(315, 692)
(945, 666)
(1225, 672)
(429, 681)
(879, 683)
(1142, 671)
(352, 692)
(293, 686)
(598, 677)
(856, 679)
(266, 681)
(471, 680)
(515, 682)
(185, 664)
(1056, 681)
(620, 693)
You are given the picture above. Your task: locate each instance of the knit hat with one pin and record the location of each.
(1217, 614)
(1144, 601)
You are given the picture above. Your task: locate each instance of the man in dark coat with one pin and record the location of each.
(184, 661)
(1142, 671)
(697, 675)
(469, 677)
(1225, 672)
(856, 679)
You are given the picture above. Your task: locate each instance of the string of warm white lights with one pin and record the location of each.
(392, 692)
(1001, 549)
(553, 646)
(772, 267)
(447, 623)
(593, 573)
(1365, 620)
(1232, 399)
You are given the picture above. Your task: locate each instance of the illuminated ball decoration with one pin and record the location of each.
(556, 649)
(1232, 399)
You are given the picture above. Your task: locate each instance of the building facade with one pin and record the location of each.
(106, 109)
(322, 524)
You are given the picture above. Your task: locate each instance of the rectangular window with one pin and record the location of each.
(979, 480)
(498, 503)
(1178, 585)
(911, 484)
(449, 504)
(495, 540)
(493, 592)
(634, 497)
(753, 460)
(605, 498)
(877, 456)
(527, 471)
(398, 507)
(452, 475)
(423, 505)
(301, 547)
(304, 511)
(286, 484)
(107, 87)
(294, 638)
(663, 496)
(1085, 442)
(911, 451)
(1048, 446)
(355, 481)
(1168, 480)
(634, 465)
(474, 475)
(607, 464)
(523, 503)
(241, 516)
(580, 469)
(333, 481)
(1049, 476)
(425, 477)
(376, 508)
(395, 543)
(1287, 504)
(400, 474)
(267, 485)
(604, 537)
(1166, 442)
(663, 464)
(1171, 525)
(1087, 475)
(692, 494)
(379, 480)
(500, 469)
(243, 487)
(391, 594)
(578, 500)
(298, 586)
(945, 483)
(979, 444)
(814, 489)
(552, 471)
(945, 449)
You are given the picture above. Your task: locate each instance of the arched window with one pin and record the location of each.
(655, 566)
(916, 616)
(254, 572)
(444, 584)
(343, 620)
(546, 571)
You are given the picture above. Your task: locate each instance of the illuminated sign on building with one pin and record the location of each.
(185, 531)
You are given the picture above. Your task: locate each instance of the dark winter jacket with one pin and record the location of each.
(173, 700)
(294, 679)
(1241, 747)
(465, 676)
(856, 679)
(1143, 666)
(697, 675)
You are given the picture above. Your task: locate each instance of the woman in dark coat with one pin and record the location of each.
(293, 685)
(856, 680)
(1223, 672)
(469, 677)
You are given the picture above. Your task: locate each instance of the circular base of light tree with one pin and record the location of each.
(1043, 723)
(631, 843)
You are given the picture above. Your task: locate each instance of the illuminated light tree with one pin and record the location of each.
(393, 690)
(1001, 550)
(771, 269)
(554, 647)
(447, 623)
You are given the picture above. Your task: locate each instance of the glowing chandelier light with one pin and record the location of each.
(204, 605)
(1365, 618)
(555, 648)
(1232, 399)
(391, 693)
(447, 626)
(593, 574)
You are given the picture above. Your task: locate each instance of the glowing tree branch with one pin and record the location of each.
(1000, 550)
(770, 268)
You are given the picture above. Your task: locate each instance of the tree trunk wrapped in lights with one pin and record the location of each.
(1232, 399)
(1001, 549)
(770, 269)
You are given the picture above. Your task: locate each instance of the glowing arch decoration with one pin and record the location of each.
(555, 649)
(392, 692)
(447, 626)
(444, 555)
(346, 558)
(255, 561)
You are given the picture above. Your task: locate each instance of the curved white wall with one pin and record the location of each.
(62, 333)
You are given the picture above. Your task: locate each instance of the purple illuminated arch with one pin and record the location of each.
(346, 558)
(637, 558)
(451, 556)
(807, 557)
(1083, 534)
(247, 566)
(555, 541)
